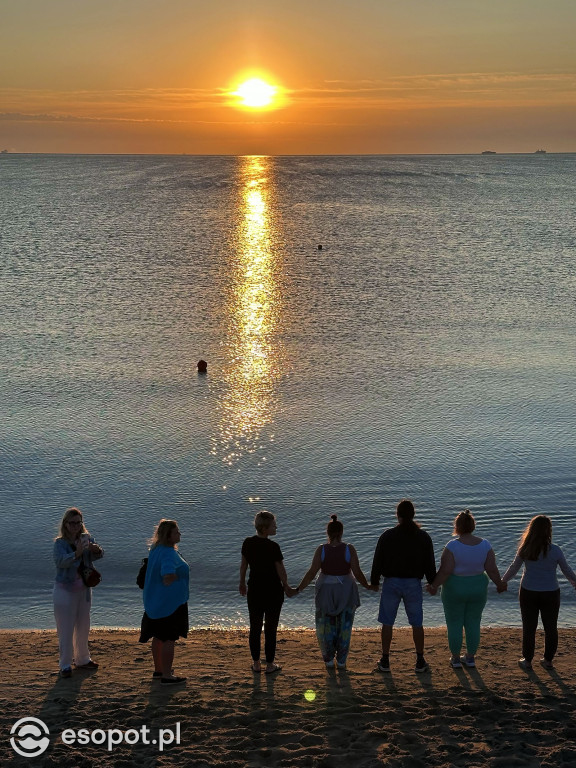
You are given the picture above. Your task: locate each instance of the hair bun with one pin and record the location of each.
(334, 518)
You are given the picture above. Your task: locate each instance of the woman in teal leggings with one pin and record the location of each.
(465, 562)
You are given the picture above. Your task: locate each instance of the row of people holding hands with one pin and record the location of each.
(403, 557)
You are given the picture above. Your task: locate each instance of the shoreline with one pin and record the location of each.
(495, 715)
(281, 628)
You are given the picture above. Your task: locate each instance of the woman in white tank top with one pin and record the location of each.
(465, 562)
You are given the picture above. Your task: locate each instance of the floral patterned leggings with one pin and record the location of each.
(334, 634)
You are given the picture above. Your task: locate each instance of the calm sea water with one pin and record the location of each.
(427, 350)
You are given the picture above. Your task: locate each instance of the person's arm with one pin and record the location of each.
(376, 571)
(513, 569)
(312, 571)
(430, 565)
(63, 558)
(492, 570)
(565, 568)
(355, 568)
(95, 550)
(283, 576)
(447, 564)
(242, 585)
(168, 567)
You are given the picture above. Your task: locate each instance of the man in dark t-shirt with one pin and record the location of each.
(404, 555)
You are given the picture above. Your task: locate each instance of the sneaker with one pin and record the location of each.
(172, 680)
(546, 664)
(421, 665)
(329, 664)
(384, 664)
(525, 665)
(66, 672)
(468, 660)
(455, 662)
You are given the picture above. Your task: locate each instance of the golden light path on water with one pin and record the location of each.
(255, 354)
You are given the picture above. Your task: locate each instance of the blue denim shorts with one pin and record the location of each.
(393, 591)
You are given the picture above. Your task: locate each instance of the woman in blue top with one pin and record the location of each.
(72, 599)
(165, 600)
(539, 589)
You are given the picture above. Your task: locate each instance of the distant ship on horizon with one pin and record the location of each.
(540, 152)
(488, 152)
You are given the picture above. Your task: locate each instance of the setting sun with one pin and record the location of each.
(256, 93)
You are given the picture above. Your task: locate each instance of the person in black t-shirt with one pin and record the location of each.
(267, 584)
(404, 555)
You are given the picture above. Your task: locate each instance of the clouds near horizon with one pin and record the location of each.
(377, 78)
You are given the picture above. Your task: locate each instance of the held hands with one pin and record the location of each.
(431, 590)
(502, 587)
(373, 587)
(290, 591)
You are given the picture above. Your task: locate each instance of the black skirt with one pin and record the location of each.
(167, 628)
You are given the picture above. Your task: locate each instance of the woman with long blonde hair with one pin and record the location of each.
(165, 597)
(539, 589)
(72, 598)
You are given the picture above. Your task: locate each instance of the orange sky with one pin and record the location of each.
(357, 76)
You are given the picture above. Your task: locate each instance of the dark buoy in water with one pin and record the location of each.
(202, 366)
(319, 247)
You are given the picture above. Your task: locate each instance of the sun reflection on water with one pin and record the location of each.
(255, 356)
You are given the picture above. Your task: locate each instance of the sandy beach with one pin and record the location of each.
(494, 715)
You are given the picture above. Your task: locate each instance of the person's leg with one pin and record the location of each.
(390, 597)
(418, 637)
(82, 627)
(344, 627)
(529, 608)
(454, 612)
(167, 657)
(271, 620)
(65, 615)
(157, 655)
(386, 637)
(477, 587)
(256, 613)
(326, 636)
(549, 609)
(412, 597)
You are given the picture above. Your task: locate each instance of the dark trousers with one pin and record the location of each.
(264, 609)
(547, 605)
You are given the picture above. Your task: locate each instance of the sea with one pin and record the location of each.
(374, 327)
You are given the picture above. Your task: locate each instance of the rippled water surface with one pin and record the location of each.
(426, 350)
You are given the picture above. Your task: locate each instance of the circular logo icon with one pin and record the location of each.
(30, 737)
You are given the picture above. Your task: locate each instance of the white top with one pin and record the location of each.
(469, 559)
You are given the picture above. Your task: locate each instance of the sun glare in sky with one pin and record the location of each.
(256, 94)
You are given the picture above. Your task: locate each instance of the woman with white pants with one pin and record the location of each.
(72, 599)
